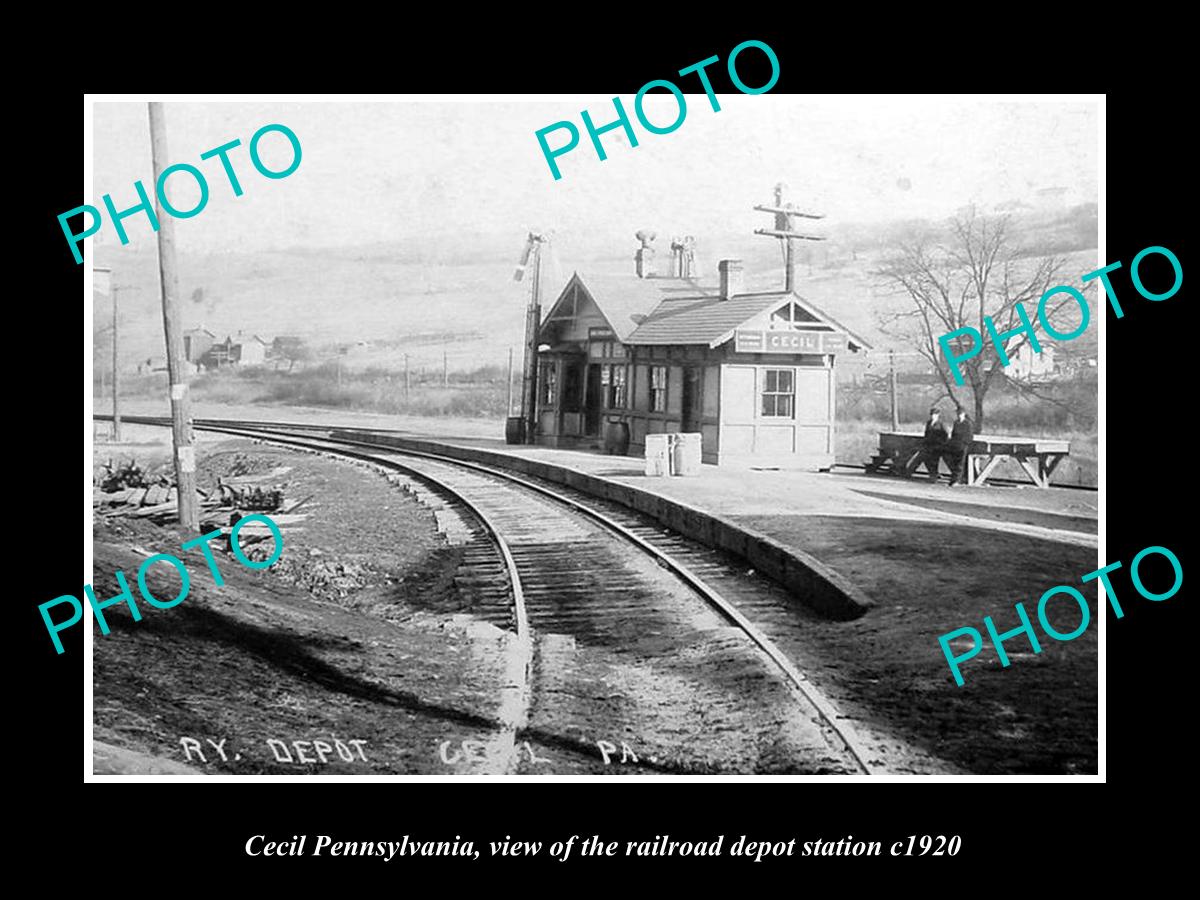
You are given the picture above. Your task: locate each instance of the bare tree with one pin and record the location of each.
(975, 272)
(290, 348)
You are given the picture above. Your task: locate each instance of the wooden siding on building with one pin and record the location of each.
(803, 439)
(640, 324)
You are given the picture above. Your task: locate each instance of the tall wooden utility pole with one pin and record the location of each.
(785, 231)
(181, 415)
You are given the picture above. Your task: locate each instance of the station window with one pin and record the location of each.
(606, 350)
(549, 382)
(779, 393)
(613, 381)
(658, 388)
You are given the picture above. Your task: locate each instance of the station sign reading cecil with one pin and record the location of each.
(788, 342)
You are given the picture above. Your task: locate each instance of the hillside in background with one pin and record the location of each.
(455, 293)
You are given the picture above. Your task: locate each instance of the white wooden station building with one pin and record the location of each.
(752, 372)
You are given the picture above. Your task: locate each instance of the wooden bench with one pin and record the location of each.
(900, 453)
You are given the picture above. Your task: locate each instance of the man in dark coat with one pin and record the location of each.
(933, 447)
(959, 447)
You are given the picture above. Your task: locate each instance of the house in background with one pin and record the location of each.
(252, 351)
(196, 343)
(1077, 358)
(1026, 364)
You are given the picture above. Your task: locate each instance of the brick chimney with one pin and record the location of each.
(731, 278)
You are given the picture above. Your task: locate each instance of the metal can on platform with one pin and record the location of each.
(658, 456)
(685, 454)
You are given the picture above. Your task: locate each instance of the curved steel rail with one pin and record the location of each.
(796, 678)
(854, 744)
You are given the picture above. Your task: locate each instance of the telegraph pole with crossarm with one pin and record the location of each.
(785, 230)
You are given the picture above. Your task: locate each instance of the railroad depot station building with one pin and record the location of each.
(620, 357)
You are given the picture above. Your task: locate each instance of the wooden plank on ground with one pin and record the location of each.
(155, 495)
(113, 498)
(171, 507)
(257, 477)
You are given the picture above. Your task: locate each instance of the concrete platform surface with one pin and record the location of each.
(1063, 515)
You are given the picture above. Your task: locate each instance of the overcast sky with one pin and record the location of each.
(392, 171)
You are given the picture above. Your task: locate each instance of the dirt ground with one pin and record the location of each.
(352, 655)
(358, 634)
(1084, 524)
(1039, 715)
(352, 637)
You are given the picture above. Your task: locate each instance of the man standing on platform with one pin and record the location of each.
(933, 447)
(959, 447)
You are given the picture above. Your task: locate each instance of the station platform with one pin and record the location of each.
(814, 533)
(1069, 516)
(825, 534)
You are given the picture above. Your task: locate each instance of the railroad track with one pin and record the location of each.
(672, 653)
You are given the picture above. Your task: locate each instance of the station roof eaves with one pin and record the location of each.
(621, 298)
(672, 311)
(712, 321)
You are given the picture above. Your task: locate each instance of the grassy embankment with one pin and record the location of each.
(480, 392)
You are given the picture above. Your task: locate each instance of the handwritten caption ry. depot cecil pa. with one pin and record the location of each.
(622, 120)
(160, 189)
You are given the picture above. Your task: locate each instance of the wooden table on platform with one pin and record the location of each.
(900, 453)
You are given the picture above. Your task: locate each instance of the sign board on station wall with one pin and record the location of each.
(749, 341)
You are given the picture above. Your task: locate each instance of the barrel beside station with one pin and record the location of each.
(514, 430)
(616, 437)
